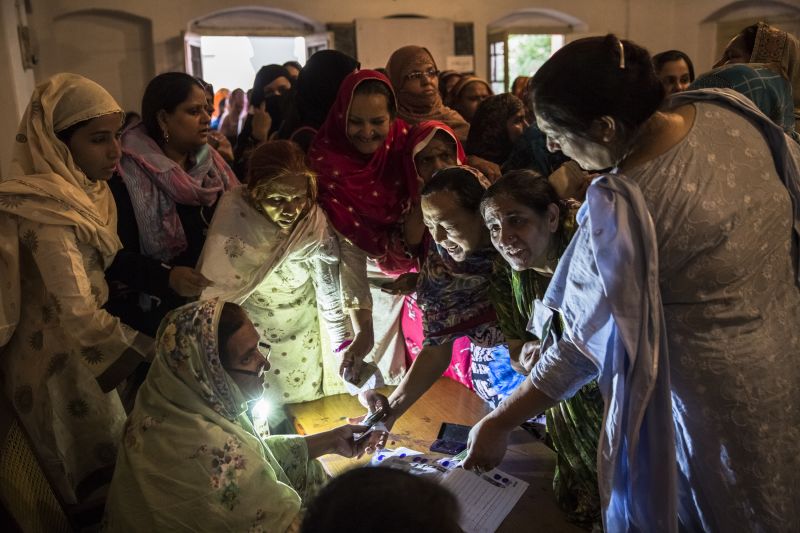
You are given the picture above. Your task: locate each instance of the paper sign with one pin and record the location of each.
(461, 64)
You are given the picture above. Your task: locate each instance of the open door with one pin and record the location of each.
(193, 56)
(318, 41)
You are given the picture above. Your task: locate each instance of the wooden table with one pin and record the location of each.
(448, 401)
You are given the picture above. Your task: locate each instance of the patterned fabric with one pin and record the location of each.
(767, 89)
(156, 184)
(366, 199)
(62, 353)
(285, 283)
(776, 46)
(415, 108)
(190, 459)
(574, 425)
(727, 277)
(488, 134)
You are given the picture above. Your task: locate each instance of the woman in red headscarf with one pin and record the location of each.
(367, 192)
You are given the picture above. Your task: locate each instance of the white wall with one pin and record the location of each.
(19, 86)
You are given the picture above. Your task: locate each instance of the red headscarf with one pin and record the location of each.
(366, 197)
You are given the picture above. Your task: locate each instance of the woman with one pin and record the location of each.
(762, 43)
(231, 122)
(271, 249)
(220, 98)
(452, 292)
(448, 80)
(766, 87)
(674, 69)
(267, 108)
(530, 227)
(415, 79)
(468, 94)
(367, 192)
(62, 355)
(681, 255)
(170, 182)
(315, 92)
(190, 458)
(498, 123)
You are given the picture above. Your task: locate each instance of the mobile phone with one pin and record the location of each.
(452, 439)
(371, 419)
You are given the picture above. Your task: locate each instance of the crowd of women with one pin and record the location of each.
(621, 256)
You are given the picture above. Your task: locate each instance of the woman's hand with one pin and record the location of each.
(353, 356)
(529, 355)
(339, 441)
(404, 284)
(262, 122)
(486, 445)
(374, 401)
(490, 170)
(187, 282)
(221, 144)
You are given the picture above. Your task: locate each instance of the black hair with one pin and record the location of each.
(165, 91)
(65, 135)
(374, 86)
(389, 500)
(672, 55)
(587, 79)
(532, 190)
(232, 318)
(294, 64)
(461, 182)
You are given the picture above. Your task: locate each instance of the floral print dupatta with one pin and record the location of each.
(190, 459)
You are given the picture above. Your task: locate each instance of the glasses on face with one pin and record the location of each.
(264, 349)
(419, 74)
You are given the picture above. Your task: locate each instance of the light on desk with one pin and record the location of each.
(261, 410)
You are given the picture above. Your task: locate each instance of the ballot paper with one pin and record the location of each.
(484, 499)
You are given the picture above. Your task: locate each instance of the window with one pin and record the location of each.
(519, 54)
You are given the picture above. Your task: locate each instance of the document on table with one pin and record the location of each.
(484, 499)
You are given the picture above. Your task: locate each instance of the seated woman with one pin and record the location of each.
(415, 79)
(190, 458)
(498, 123)
(61, 354)
(367, 191)
(271, 249)
(314, 92)
(676, 294)
(452, 292)
(530, 227)
(468, 94)
(170, 182)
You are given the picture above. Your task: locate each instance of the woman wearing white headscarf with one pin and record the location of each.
(61, 354)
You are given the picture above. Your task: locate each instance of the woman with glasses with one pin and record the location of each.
(190, 459)
(415, 79)
(271, 249)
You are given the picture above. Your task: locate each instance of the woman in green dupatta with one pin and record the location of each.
(531, 228)
(190, 459)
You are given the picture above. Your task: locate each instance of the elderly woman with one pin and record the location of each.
(415, 79)
(171, 180)
(271, 249)
(62, 355)
(678, 293)
(190, 458)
